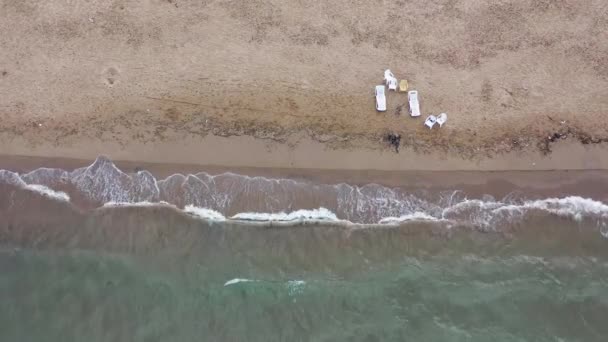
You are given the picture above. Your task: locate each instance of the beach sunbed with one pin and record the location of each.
(412, 97)
(380, 99)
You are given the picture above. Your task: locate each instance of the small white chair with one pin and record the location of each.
(390, 79)
(430, 121)
(442, 118)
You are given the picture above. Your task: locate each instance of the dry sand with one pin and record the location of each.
(132, 79)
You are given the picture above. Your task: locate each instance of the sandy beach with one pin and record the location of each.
(290, 83)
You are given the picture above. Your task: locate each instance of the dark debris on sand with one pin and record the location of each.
(393, 140)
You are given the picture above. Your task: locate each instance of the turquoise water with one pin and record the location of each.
(305, 284)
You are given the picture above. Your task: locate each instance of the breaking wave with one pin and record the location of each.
(417, 216)
(45, 191)
(318, 215)
(293, 287)
(204, 213)
(238, 280)
(233, 197)
(13, 178)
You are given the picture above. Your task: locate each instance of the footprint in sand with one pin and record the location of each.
(110, 76)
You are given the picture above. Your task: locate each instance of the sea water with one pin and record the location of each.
(97, 254)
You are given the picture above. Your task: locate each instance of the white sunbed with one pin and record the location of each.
(412, 97)
(380, 98)
(441, 119)
(390, 79)
(430, 121)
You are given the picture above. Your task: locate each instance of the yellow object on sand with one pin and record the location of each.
(403, 85)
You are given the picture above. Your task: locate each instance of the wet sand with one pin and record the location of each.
(304, 153)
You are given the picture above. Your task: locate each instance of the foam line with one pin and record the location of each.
(238, 280)
(43, 190)
(211, 197)
(320, 214)
(204, 213)
(417, 216)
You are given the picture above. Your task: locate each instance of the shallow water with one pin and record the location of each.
(64, 295)
(368, 263)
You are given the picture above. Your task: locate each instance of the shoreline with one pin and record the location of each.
(303, 153)
(468, 198)
(553, 182)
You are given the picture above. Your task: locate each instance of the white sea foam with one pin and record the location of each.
(320, 214)
(295, 287)
(604, 230)
(11, 178)
(417, 216)
(46, 176)
(14, 178)
(103, 182)
(487, 213)
(45, 191)
(238, 280)
(136, 204)
(207, 214)
(296, 282)
(270, 200)
(573, 206)
(475, 212)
